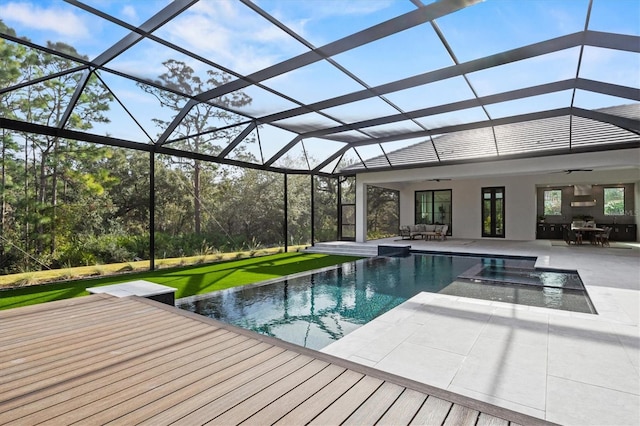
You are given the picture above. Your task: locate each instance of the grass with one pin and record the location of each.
(47, 276)
(187, 281)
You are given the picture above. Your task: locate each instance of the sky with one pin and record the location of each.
(235, 37)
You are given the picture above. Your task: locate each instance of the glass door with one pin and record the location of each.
(347, 208)
(434, 207)
(493, 212)
(347, 222)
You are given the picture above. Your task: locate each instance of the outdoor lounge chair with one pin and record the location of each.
(423, 231)
(419, 230)
(442, 233)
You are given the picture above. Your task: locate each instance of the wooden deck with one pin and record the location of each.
(100, 359)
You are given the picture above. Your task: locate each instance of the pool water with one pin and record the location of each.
(318, 309)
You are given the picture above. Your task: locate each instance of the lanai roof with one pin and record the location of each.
(345, 87)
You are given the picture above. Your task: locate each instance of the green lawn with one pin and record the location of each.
(188, 280)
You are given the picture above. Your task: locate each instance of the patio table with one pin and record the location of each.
(587, 230)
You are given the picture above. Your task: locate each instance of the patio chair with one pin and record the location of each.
(603, 237)
(404, 232)
(442, 233)
(572, 236)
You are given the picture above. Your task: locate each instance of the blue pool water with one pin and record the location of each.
(317, 309)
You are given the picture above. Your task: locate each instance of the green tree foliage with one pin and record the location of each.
(203, 129)
(613, 201)
(70, 203)
(382, 212)
(48, 161)
(326, 208)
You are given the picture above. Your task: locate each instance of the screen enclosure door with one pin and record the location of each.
(347, 208)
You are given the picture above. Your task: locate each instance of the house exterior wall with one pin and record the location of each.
(520, 207)
(636, 209)
(521, 178)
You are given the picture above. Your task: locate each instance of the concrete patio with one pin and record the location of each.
(565, 367)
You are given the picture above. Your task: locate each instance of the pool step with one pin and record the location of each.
(344, 248)
(522, 276)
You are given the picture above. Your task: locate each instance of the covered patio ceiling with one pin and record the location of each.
(328, 87)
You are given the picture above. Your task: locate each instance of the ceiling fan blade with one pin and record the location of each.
(569, 171)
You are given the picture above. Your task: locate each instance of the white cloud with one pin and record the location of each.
(300, 15)
(318, 10)
(228, 33)
(352, 8)
(55, 19)
(130, 13)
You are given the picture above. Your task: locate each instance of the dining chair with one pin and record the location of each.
(603, 237)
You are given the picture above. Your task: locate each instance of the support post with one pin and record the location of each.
(339, 210)
(152, 211)
(286, 215)
(313, 211)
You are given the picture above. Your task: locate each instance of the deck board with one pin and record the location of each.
(461, 416)
(80, 343)
(133, 363)
(273, 412)
(404, 408)
(110, 402)
(86, 353)
(319, 401)
(338, 412)
(376, 406)
(73, 322)
(433, 411)
(104, 360)
(175, 392)
(221, 399)
(111, 390)
(231, 379)
(249, 406)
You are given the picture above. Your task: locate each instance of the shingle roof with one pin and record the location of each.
(564, 134)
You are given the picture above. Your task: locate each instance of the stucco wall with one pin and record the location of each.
(520, 206)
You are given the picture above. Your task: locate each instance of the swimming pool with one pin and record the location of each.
(316, 309)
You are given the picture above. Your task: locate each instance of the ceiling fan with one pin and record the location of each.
(569, 171)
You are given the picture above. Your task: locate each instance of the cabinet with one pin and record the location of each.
(554, 231)
(621, 232)
(549, 231)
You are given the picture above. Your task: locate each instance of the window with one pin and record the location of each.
(434, 207)
(613, 201)
(493, 212)
(553, 202)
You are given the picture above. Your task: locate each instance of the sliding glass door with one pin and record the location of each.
(433, 207)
